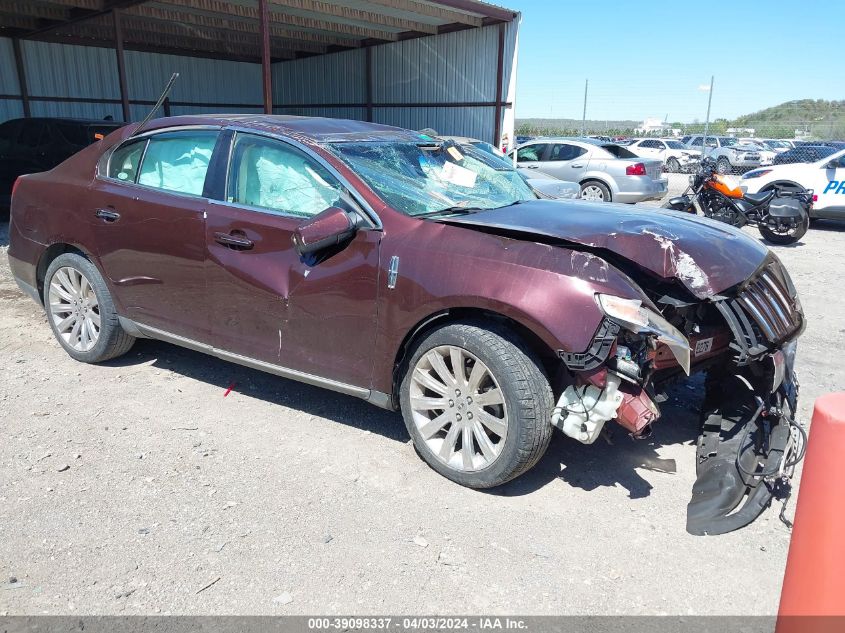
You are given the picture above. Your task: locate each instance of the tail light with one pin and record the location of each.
(635, 170)
(815, 197)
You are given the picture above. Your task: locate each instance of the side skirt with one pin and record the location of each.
(383, 400)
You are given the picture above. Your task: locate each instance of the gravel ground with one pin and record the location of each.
(136, 487)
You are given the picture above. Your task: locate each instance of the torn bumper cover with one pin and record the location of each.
(746, 453)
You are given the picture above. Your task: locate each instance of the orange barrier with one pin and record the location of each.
(814, 582)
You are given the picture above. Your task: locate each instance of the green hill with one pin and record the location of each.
(808, 118)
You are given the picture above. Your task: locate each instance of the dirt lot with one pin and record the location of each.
(132, 486)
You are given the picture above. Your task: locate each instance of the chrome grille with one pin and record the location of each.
(763, 313)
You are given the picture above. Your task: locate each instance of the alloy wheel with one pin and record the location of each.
(458, 408)
(74, 309)
(591, 192)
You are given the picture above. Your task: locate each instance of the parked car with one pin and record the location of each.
(825, 177)
(804, 154)
(675, 156)
(521, 138)
(365, 259)
(767, 155)
(38, 144)
(776, 145)
(605, 171)
(543, 185)
(730, 155)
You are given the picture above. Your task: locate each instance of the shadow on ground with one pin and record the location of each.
(586, 467)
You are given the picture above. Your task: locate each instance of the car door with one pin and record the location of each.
(565, 161)
(830, 187)
(149, 228)
(531, 156)
(265, 301)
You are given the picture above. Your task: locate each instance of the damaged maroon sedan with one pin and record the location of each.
(423, 277)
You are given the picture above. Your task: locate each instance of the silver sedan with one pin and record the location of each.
(606, 172)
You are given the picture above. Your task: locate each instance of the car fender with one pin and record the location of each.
(547, 289)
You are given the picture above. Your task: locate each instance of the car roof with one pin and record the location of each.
(315, 129)
(69, 120)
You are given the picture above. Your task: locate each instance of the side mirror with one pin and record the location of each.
(834, 164)
(326, 229)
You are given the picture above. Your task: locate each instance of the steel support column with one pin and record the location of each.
(16, 45)
(121, 66)
(368, 57)
(500, 72)
(266, 77)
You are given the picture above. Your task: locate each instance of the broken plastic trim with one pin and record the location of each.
(598, 351)
(631, 315)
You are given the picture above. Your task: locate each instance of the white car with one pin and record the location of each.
(826, 177)
(675, 155)
(767, 154)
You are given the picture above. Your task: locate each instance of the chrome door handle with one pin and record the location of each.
(577, 165)
(532, 167)
(238, 242)
(107, 215)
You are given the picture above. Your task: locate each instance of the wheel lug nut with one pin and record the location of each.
(457, 392)
(458, 417)
(451, 403)
(469, 400)
(469, 416)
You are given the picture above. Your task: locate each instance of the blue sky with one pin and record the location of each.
(654, 57)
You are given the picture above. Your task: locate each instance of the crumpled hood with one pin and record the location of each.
(707, 257)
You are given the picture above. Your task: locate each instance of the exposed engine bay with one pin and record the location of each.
(744, 340)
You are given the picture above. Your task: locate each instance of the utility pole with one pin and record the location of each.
(707, 120)
(584, 115)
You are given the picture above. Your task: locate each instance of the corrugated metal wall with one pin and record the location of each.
(422, 74)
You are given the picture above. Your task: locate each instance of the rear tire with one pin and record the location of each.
(723, 166)
(498, 403)
(789, 237)
(81, 312)
(595, 191)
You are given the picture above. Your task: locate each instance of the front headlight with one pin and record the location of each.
(630, 314)
(756, 173)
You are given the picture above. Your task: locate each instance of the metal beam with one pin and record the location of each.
(16, 45)
(121, 66)
(77, 15)
(500, 67)
(487, 10)
(249, 14)
(157, 13)
(266, 77)
(353, 15)
(368, 72)
(429, 10)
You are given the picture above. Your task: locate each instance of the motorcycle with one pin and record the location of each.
(781, 214)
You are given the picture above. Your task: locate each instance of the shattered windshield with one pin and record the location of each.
(425, 179)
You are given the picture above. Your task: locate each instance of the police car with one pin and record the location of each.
(826, 177)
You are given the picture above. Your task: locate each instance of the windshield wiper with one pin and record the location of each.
(456, 210)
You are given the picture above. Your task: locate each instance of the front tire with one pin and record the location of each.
(723, 166)
(81, 312)
(476, 404)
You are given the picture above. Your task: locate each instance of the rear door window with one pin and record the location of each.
(565, 151)
(178, 161)
(272, 175)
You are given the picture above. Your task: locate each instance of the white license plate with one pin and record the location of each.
(703, 346)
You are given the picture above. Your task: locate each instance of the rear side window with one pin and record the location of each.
(618, 151)
(178, 161)
(272, 175)
(125, 161)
